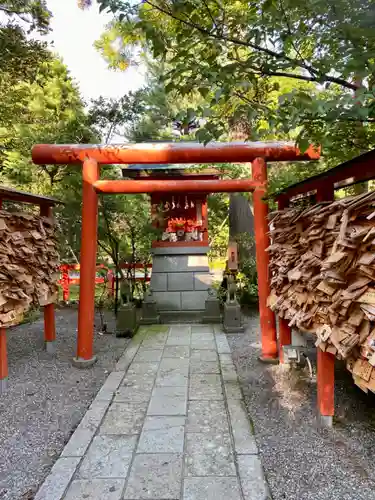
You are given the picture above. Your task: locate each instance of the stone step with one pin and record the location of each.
(170, 317)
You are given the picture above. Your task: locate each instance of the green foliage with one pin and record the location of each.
(125, 232)
(32, 12)
(312, 56)
(218, 229)
(44, 109)
(113, 117)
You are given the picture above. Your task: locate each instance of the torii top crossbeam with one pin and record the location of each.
(91, 156)
(183, 152)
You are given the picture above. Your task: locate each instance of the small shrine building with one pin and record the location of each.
(180, 272)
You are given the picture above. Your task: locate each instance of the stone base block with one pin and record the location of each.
(3, 385)
(180, 279)
(126, 324)
(232, 318)
(150, 314)
(180, 317)
(212, 310)
(211, 319)
(84, 363)
(51, 347)
(233, 329)
(325, 421)
(268, 360)
(150, 320)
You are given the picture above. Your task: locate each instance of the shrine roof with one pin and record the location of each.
(359, 169)
(11, 194)
(158, 166)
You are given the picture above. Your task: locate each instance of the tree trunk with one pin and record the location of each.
(241, 224)
(241, 218)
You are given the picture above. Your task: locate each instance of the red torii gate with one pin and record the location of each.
(236, 152)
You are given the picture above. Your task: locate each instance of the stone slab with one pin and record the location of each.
(174, 377)
(124, 418)
(154, 342)
(199, 329)
(168, 401)
(179, 263)
(155, 476)
(178, 340)
(222, 344)
(124, 362)
(82, 436)
(211, 488)
(204, 367)
(178, 351)
(203, 344)
(202, 281)
(133, 394)
(203, 355)
(253, 483)
(173, 250)
(205, 387)
(168, 301)
(95, 489)
(139, 381)
(180, 282)
(58, 480)
(107, 457)
(110, 386)
(162, 435)
(145, 355)
(207, 416)
(158, 282)
(179, 330)
(193, 301)
(232, 390)
(225, 358)
(244, 440)
(143, 369)
(229, 373)
(209, 455)
(202, 336)
(174, 363)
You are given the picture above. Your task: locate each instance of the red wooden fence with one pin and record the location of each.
(66, 281)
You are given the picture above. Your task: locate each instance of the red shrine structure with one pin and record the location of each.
(181, 276)
(91, 156)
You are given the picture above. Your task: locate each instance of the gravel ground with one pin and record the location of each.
(301, 461)
(46, 400)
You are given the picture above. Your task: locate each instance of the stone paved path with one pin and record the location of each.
(168, 424)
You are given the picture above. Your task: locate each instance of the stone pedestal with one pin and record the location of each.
(180, 281)
(126, 325)
(212, 309)
(150, 314)
(232, 317)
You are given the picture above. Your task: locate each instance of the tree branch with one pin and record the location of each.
(12, 12)
(306, 66)
(271, 53)
(209, 13)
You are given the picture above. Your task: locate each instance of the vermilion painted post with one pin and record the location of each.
(65, 283)
(262, 242)
(285, 332)
(3, 361)
(85, 356)
(205, 220)
(326, 386)
(325, 360)
(49, 309)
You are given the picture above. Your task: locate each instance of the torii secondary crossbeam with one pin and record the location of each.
(91, 156)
